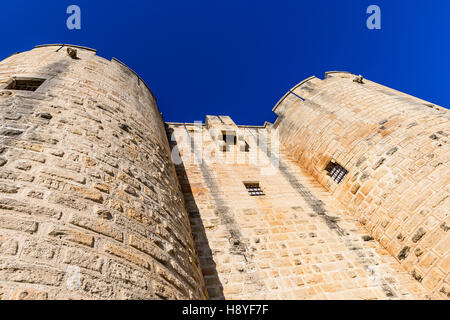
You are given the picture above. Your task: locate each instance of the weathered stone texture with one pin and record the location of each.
(86, 182)
(295, 242)
(396, 150)
(92, 207)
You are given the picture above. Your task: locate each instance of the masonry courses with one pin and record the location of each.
(344, 196)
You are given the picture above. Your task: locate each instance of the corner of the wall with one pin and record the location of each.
(268, 124)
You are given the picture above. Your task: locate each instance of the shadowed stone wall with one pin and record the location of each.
(294, 242)
(90, 206)
(396, 151)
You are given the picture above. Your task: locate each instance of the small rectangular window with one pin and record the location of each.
(230, 139)
(254, 189)
(25, 84)
(336, 171)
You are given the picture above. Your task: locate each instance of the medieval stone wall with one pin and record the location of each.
(294, 242)
(396, 151)
(90, 206)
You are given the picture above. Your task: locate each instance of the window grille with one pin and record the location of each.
(336, 171)
(254, 189)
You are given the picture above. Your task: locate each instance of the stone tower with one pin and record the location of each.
(90, 206)
(345, 196)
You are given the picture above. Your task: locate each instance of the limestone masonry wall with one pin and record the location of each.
(93, 206)
(396, 151)
(294, 242)
(90, 205)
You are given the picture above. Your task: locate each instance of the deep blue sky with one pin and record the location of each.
(238, 57)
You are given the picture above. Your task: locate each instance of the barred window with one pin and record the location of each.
(254, 189)
(336, 171)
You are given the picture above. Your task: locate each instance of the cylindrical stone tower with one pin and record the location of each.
(385, 156)
(90, 206)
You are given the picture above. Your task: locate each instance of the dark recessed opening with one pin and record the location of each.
(336, 171)
(254, 189)
(25, 84)
(229, 137)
